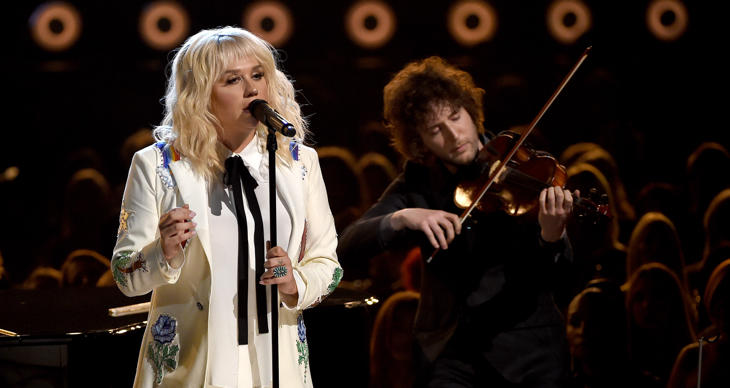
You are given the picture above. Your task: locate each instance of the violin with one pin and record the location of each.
(515, 190)
(508, 165)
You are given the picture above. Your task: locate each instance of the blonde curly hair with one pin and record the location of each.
(189, 122)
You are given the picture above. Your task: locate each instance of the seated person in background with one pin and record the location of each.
(4, 279)
(43, 277)
(702, 185)
(698, 275)
(715, 356)
(655, 239)
(658, 323)
(83, 268)
(597, 250)
(662, 197)
(596, 329)
(344, 184)
(87, 218)
(391, 343)
(599, 157)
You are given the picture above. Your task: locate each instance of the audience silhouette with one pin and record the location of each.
(705, 362)
(655, 239)
(659, 323)
(596, 332)
(344, 184)
(597, 250)
(706, 176)
(83, 268)
(43, 277)
(597, 156)
(391, 343)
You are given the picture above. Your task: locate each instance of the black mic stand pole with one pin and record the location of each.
(271, 146)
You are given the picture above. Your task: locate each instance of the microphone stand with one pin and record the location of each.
(271, 146)
(266, 115)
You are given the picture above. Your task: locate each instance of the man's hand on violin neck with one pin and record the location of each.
(440, 227)
(556, 205)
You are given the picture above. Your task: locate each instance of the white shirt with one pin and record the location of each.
(231, 365)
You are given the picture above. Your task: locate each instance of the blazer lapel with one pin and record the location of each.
(289, 184)
(193, 190)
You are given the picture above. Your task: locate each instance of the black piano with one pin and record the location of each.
(66, 338)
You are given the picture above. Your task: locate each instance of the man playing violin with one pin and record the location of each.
(486, 315)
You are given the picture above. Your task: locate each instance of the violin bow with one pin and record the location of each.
(503, 163)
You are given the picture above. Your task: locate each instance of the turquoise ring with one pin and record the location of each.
(280, 271)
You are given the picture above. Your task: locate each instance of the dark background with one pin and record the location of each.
(648, 102)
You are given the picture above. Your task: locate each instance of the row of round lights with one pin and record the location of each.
(163, 24)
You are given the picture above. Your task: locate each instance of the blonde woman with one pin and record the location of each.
(193, 239)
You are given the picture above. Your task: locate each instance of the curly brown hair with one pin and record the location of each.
(409, 97)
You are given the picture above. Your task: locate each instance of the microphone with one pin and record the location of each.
(267, 115)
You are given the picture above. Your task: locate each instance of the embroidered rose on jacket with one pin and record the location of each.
(164, 329)
(301, 329)
(161, 352)
(302, 346)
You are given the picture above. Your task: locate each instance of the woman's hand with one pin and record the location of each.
(176, 227)
(279, 271)
(555, 206)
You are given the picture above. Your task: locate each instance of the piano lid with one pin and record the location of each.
(65, 311)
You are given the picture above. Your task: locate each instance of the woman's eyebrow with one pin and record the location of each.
(239, 70)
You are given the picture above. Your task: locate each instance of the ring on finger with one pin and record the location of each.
(280, 271)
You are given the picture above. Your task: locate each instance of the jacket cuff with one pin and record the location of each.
(386, 233)
(300, 292)
(169, 273)
(557, 249)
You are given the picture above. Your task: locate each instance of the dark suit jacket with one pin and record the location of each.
(493, 284)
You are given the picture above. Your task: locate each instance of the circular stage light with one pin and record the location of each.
(55, 26)
(568, 20)
(667, 19)
(370, 23)
(471, 22)
(270, 20)
(163, 24)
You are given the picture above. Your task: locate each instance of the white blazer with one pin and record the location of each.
(174, 347)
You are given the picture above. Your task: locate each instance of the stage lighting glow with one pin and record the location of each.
(471, 22)
(163, 24)
(667, 19)
(55, 26)
(270, 20)
(568, 20)
(370, 23)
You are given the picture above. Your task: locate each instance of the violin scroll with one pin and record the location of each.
(593, 210)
